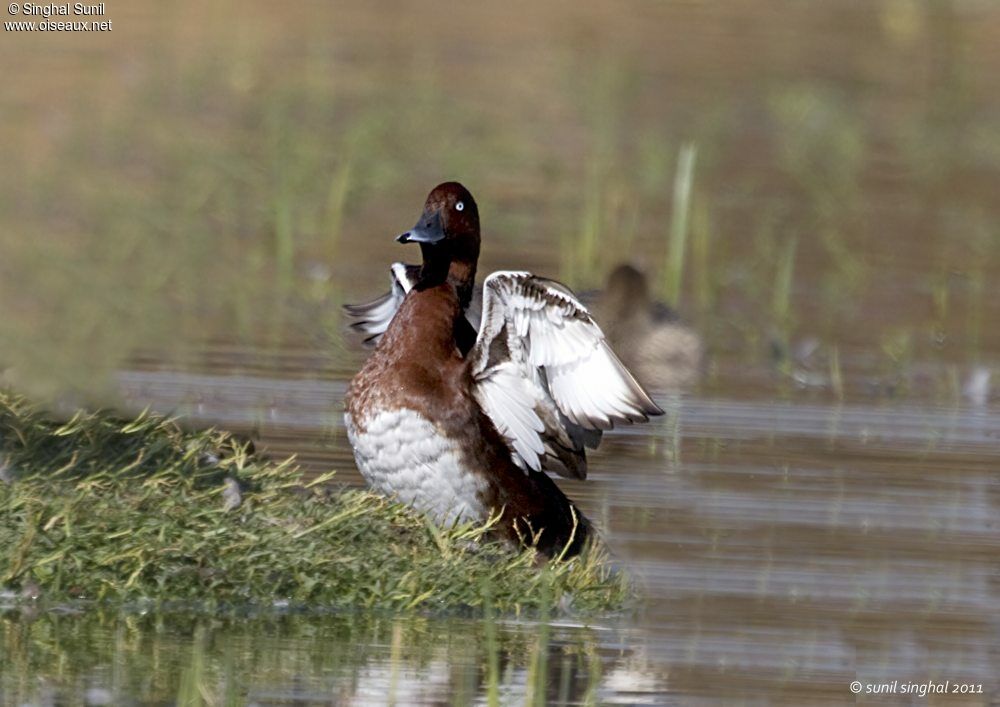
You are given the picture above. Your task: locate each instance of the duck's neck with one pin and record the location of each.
(460, 276)
(438, 269)
(463, 276)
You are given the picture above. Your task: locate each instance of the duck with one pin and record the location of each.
(656, 345)
(463, 415)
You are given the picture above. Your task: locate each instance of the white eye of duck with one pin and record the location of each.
(459, 206)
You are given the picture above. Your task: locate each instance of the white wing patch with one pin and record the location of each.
(506, 391)
(545, 374)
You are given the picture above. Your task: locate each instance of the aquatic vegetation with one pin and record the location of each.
(130, 510)
(674, 269)
(781, 298)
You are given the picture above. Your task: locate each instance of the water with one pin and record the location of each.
(783, 550)
(824, 507)
(313, 660)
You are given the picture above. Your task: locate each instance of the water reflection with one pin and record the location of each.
(52, 658)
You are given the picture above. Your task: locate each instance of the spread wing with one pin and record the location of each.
(372, 318)
(546, 376)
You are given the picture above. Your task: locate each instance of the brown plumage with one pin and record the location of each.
(460, 427)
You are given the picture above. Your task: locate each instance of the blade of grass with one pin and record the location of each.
(683, 179)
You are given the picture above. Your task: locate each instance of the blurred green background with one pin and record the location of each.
(225, 174)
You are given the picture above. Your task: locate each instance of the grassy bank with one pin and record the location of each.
(106, 509)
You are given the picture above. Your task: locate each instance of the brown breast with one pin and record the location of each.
(416, 364)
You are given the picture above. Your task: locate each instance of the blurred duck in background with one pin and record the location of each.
(649, 337)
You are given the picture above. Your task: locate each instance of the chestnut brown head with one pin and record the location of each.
(449, 225)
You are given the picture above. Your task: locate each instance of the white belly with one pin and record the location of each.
(401, 454)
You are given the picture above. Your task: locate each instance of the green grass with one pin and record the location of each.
(104, 509)
(677, 243)
(782, 295)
